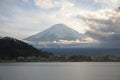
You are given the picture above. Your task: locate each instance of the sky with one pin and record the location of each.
(97, 20)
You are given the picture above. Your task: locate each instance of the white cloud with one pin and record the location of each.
(47, 4)
(66, 14)
(90, 40)
(99, 14)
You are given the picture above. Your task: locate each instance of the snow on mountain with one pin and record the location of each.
(56, 33)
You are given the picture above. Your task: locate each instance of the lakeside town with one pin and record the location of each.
(64, 58)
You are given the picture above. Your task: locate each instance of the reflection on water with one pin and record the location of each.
(60, 71)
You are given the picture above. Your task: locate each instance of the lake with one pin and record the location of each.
(60, 71)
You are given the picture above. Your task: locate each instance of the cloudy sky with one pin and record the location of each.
(98, 20)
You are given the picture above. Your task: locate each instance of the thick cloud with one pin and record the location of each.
(104, 27)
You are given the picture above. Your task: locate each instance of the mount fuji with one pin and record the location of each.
(55, 33)
(58, 35)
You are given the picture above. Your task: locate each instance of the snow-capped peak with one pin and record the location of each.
(55, 33)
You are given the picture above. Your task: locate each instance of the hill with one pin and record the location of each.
(11, 48)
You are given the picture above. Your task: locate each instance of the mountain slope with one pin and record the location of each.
(13, 48)
(55, 33)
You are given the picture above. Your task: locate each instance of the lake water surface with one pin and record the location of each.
(60, 71)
